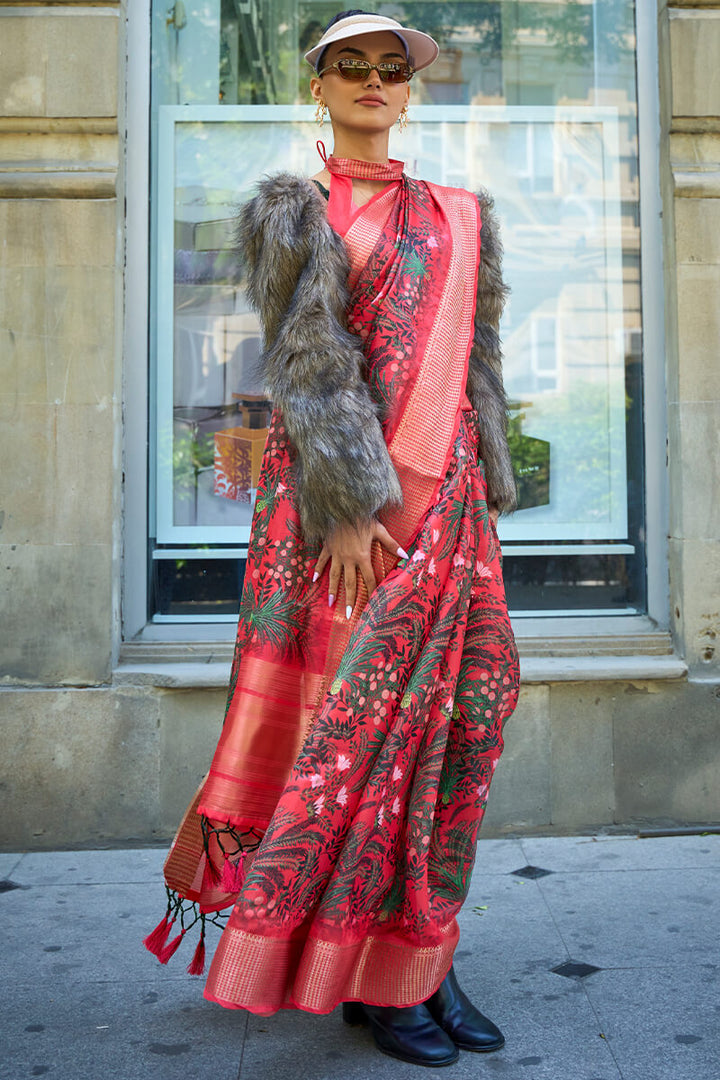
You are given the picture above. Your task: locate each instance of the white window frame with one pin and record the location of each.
(136, 404)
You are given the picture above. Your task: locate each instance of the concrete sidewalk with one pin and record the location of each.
(83, 1000)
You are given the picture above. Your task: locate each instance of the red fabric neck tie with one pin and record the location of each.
(365, 170)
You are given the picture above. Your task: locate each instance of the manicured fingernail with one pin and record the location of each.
(348, 611)
(315, 577)
(331, 600)
(402, 553)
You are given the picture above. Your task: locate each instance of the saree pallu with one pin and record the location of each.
(362, 750)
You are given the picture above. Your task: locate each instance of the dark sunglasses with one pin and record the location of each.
(358, 70)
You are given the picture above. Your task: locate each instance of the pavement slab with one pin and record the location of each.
(661, 1024)
(127, 1029)
(635, 918)
(576, 854)
(7, 865)
(71, 934)
(498, 857)
(90, 867)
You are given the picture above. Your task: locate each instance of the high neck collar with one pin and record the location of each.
(365, 170)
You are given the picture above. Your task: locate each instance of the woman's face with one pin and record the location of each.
(367, 105)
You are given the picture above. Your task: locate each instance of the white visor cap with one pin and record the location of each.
(422, 49)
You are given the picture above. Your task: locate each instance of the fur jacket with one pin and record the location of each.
(296, 270)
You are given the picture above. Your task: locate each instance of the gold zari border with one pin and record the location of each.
(264, 974)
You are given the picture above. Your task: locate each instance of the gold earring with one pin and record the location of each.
(320, 112)
(403, 117)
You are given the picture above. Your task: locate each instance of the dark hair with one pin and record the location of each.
(336, 18)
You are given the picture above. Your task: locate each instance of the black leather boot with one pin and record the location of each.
(409, 1034)
(453, 1011)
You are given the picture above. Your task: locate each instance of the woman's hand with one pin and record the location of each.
(348, 549)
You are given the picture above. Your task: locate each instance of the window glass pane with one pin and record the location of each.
(536, 102)
(197, 587)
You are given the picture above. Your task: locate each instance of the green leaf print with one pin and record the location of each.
(451, 860)
(415, 266)
(275, 621)
(356, 658)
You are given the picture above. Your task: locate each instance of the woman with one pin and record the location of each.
(375, 663)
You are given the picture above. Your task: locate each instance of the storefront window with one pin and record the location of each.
(534, 101)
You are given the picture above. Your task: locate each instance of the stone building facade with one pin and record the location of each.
(104, 739)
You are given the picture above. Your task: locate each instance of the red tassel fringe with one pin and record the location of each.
(211, 877)
(170, 950)
(233, 874)
(197, 964)
(156, 938)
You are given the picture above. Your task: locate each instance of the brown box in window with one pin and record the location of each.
(254, 410)
(238, 455)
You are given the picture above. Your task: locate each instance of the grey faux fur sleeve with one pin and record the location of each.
(297, 270)
(485, 385)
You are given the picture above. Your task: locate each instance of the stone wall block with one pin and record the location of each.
(59, 149)
(582, 754)
(83, 495)
(60, 490)
(520, 794)
(62, 232)
(27, 438)
(667, 755)
(694, 148)
(57, 614)
(694, 49)
(80, 321)
(697, 231)
(190, 725)
(693, 428)
(80, 303)
(82, 74)
(23, 66)
(699, 329)
(57, 326)
(58, 65)
(23, 377)
(695, 565)
(79, 767)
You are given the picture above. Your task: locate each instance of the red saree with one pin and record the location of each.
(362, 750)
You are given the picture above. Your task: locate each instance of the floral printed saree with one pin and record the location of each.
(340, 814)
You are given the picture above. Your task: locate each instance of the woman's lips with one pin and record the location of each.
(370, 101)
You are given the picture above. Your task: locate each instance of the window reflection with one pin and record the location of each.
(573, 330)
(500, 52)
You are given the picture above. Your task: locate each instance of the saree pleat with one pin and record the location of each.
(362, 750)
